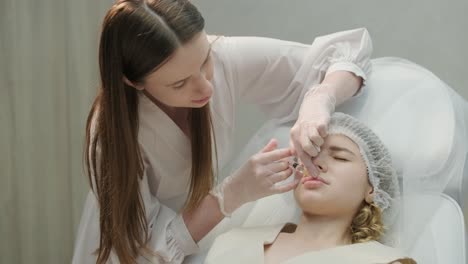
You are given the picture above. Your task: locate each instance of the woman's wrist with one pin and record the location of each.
(204, 218)
(342, 85)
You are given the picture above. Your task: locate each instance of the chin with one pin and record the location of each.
(309, 194)
(309, 200)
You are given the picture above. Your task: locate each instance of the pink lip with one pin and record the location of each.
(313, 179)
(202, 100)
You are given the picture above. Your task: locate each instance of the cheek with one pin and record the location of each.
(353, 178)
(154, 90)
(158, 93)
(167, 95)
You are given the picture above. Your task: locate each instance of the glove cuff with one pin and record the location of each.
(219, 192)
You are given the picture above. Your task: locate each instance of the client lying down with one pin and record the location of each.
(344, 210)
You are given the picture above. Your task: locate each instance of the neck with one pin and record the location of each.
(323, 231)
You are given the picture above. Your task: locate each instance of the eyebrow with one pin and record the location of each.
(337, 149)
(206, 59)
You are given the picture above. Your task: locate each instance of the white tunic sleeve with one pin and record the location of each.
(275, 74)
(169, 236)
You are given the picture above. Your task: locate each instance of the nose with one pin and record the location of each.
(320, 162)
(203, 86)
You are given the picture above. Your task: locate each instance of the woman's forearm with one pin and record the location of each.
(343, 85)
(204, 218)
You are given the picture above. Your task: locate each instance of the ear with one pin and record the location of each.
(129, 83)
(370, 195)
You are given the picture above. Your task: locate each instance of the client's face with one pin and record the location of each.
(343, 183)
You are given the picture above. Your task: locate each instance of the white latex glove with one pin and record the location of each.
(311, 127)
(256, 179)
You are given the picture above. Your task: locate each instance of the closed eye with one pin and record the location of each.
(179, 85)
(340, 159)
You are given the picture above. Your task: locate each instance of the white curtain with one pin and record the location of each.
(48, 78)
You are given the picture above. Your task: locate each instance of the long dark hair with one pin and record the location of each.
(137, 37)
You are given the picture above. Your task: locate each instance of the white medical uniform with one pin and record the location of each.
(272, 74)
(246, 245)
